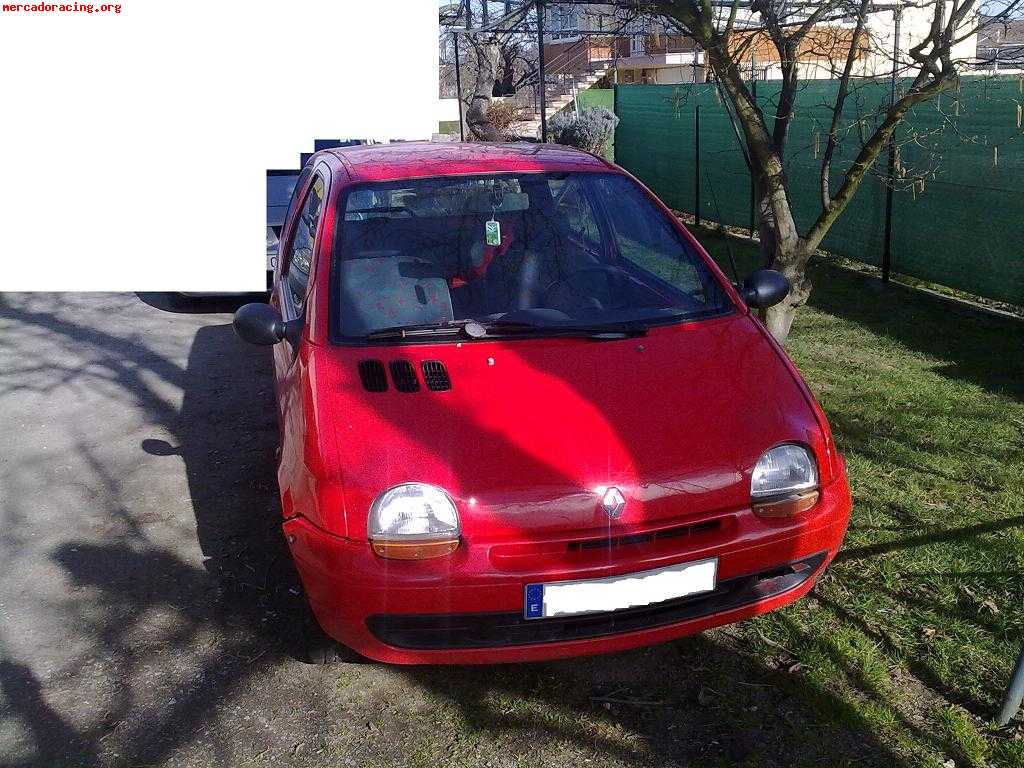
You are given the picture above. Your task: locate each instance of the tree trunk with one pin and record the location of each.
(767, 232)
(505, 84)
(793, 264)
(487, 54)
(781, 247)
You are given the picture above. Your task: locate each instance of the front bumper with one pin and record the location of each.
(468, 608)
(459, 631)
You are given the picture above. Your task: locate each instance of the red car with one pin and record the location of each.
(524, 416)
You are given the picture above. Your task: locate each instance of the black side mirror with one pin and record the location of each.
(764, 288)
(261, 324)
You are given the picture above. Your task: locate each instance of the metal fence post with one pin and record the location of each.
(753, 171)
(615, 111)
(458, 87)
(1014, 693)
(541, 74)
(891, 173)
(696, 159)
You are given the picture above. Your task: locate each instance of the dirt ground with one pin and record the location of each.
(148, 608)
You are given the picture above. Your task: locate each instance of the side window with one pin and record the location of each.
(573, 208)
(296, 191)
(300, 252)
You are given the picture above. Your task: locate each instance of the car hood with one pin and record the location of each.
(532, 432)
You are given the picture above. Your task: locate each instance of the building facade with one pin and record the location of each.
(646, 50)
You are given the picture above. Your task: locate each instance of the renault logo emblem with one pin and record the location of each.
(613, 502)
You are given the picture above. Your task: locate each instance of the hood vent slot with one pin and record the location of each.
(436, 376)
(373, 376)
(404, 376)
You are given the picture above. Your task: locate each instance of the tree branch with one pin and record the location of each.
(837, 108)
(867, 156)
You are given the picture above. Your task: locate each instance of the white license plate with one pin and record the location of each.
(613, 593)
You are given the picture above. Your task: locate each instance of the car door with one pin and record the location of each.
(290, 362)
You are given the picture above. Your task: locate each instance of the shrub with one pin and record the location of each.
(590, 130)
(503, 115)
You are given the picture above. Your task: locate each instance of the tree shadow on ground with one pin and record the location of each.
(982, 349)
(698, 701)
(216, 628)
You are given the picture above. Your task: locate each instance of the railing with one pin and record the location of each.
(648, 51)
(575, 60)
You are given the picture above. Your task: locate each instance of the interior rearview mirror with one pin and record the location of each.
(765, 288)
(261, 324)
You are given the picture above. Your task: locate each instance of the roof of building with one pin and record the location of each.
(993, 32)
(402, 160)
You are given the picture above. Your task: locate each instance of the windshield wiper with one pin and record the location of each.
(449, 328)
(478, 329)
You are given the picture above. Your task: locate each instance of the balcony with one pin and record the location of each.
(661, 59)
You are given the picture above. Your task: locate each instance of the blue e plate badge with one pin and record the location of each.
(533, 606)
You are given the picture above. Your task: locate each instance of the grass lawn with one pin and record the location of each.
(913, 633)
(899, 657)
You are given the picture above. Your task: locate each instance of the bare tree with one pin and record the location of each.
(487, 50)
(497, 56)
(839, 35)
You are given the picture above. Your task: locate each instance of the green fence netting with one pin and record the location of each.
(958, 208)
(599, 97)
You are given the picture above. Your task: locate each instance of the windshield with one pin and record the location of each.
(547, 250)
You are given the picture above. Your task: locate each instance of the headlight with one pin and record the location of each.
(784, 482)
(413, 521)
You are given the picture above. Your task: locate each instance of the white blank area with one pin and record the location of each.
(133, 146)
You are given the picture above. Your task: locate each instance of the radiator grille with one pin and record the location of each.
(645, 538)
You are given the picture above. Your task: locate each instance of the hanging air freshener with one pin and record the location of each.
(492, 232)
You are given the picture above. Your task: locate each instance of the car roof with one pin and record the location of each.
(406, 160)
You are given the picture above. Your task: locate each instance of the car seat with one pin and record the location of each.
(384, 289)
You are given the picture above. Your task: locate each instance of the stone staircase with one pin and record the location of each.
(559, 96)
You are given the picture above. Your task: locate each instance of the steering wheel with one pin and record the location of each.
(613, 274)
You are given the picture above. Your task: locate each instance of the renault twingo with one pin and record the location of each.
(524, 416)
